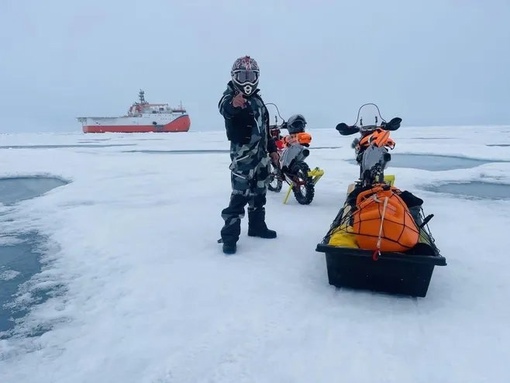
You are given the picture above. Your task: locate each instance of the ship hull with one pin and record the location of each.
(146, 124)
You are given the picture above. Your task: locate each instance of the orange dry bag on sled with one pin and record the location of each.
(382, 221)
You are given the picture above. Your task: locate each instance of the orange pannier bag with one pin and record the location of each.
(382, 221)
(378, 137)
(302, 138)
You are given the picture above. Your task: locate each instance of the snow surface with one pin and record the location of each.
(148, 295)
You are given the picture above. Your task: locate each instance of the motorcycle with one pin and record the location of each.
(373, 145)
(292, 167)
(379, 240)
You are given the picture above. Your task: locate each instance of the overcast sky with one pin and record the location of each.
(431, 62)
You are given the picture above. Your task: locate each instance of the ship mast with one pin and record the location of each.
(141, 96)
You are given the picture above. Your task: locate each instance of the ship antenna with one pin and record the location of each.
(141, 96)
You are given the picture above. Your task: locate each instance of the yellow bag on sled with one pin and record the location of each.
(343, 237)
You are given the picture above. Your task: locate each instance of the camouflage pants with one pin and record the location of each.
(249, 186)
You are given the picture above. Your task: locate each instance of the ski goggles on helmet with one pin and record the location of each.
(243, 76)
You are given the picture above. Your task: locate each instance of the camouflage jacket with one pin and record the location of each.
(247, 128)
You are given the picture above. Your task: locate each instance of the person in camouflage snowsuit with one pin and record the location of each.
(251, 150)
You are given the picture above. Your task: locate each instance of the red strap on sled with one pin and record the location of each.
(377, 252)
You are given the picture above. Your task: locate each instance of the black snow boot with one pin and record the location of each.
(229, 248)
(232, 229)
(256, 224)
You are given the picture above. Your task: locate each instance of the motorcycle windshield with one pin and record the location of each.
(369, 117)
(274, 114)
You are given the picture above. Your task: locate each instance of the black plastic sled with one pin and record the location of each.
(394, 273)
(400, 273)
